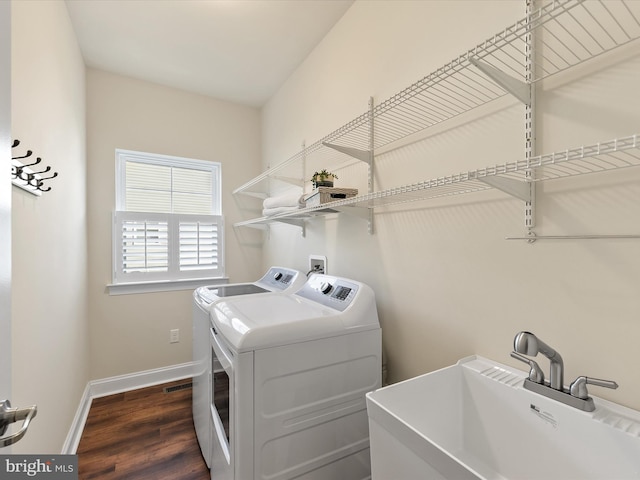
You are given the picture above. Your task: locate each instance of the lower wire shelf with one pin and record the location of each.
(513, 178)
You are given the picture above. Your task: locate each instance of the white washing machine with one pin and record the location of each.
(290, 373)
(277, 279)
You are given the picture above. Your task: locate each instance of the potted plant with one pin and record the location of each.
(323, 179)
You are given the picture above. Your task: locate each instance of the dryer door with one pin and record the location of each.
(222, 408)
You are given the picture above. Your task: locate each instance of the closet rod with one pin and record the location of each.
(534, 237)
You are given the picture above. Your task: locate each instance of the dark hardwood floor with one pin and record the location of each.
(141, 434)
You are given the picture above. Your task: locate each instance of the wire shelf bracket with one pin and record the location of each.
(362, 155)
(515, 87)
(298, 182)
(515, 188)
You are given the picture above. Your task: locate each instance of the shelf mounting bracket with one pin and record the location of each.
(515, 188)
(361, 212)
(515, 87)
(249, 193)
(258, 226)
(362, 155)
(298, 182)
(295, 222)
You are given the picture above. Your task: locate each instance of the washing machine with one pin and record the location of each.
(289, 378)
(277, 279)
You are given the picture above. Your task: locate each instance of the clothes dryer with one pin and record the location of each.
(290, 373)
(277, 279)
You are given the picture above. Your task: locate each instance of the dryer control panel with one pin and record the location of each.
(334, 292)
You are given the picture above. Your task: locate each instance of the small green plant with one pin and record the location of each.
(323, 178)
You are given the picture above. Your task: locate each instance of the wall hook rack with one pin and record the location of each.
(23, 176)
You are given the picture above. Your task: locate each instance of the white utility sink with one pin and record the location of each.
(474, 420)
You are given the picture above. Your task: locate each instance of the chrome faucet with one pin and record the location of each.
(526, 343)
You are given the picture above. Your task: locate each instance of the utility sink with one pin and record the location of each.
(474, 420)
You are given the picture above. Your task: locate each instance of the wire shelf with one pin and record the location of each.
(566, 33)
(599, 157)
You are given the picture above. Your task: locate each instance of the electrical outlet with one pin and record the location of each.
(174, 335)
(317, 264)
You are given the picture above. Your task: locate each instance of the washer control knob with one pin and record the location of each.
(326, 287)
(278, 276)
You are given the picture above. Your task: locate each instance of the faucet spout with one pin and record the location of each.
(528, 344)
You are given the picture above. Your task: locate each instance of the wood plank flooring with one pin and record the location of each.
(139, 435)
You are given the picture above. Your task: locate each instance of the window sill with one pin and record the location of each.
(163, 286)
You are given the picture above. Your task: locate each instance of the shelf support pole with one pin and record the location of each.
(530, 126)
(370, 163)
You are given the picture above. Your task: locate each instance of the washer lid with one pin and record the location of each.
(277, 279)
(234, 289)
(262, 321)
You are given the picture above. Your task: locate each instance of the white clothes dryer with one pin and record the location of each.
(290, 373)
(277, 279)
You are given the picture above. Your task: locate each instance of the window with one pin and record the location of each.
(168, 222)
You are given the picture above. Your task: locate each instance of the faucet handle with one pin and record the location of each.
(579, 387)
(535, 374)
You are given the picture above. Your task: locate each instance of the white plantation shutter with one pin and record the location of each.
(167, 225)
(145, 244)
(199, 244)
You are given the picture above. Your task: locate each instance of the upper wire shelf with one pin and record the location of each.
(510, 177)
(566, 33)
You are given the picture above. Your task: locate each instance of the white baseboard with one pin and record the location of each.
(147, 378)
(119, 384)
(77, 426)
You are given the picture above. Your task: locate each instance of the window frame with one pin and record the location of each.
(174, 278)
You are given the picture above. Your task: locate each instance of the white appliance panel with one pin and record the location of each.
(314, 408)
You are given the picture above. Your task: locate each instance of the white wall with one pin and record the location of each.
(49, 318)
(130, 333)
(447, 283)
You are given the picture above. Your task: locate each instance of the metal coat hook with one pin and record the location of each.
(28, 154)
(31, 179)
(55, 174)
(48, 169)
(38, 160)
(24, 177)
(20, 168)
(40, 182)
